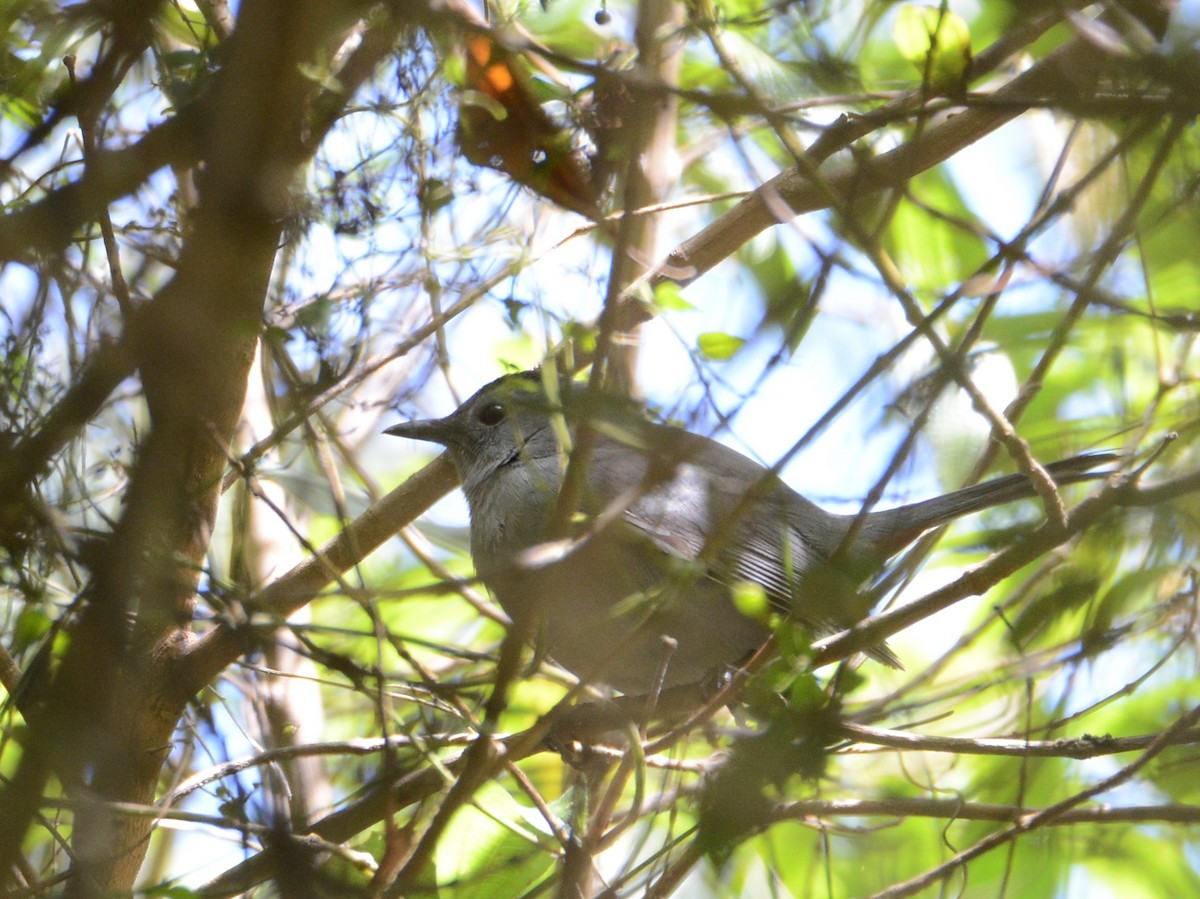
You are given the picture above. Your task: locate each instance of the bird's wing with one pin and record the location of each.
(692, 493)
(695, 493)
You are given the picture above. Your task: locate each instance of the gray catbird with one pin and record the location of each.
(635, 581)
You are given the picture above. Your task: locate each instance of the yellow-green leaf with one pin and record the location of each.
(668, 295)
(751, 600)
(937, 42)
(717, 346)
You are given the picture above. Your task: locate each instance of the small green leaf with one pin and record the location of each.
(483, 101)
(669, 296)
(32, 625)
(717, 346)
(806, 693)
(582, 336)
(937, 42)
(751, 600)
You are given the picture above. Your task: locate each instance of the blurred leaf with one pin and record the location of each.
(489, 849)
(312, 489)
(763, 68)
(1120, 858)
(186, 26)
(751, 599)
(668, 296)
(790, 300)
(1072, 589)
(717, 346)
(938, 44)
(931, 234)
(794, 743)
(32, 625)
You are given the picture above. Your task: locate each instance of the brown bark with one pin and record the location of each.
(106, 725)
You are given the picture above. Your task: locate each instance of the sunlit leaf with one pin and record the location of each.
(717, 346)
(937, 42)
(490, 849)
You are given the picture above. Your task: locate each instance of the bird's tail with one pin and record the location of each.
(891, 530)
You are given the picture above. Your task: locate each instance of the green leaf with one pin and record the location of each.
(751, 600)
(32, 624)
(717, 346)
(937, 42)
(185, 26)
(489, 849)
(669, 296)
(930, 235)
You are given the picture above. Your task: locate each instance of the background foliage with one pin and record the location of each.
(237, 242)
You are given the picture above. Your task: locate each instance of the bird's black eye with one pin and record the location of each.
(491, 414)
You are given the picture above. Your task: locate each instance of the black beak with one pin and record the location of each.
(434, 430)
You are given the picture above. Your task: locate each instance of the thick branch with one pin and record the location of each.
(111, 708)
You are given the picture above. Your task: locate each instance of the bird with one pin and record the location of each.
(632, 582)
